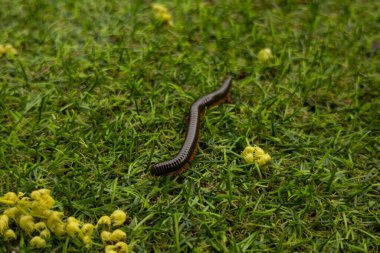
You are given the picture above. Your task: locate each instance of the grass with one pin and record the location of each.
(100, 89)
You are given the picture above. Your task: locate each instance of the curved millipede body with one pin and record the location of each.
(184, 157)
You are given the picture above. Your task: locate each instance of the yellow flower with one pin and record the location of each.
(11, 196)
(12, 212)
(59, 229)
(105, 236)
(24, 203)
(7, 49)
(110, 249)
(4, 219)
(38, 206)
(45, 233)
(37, 242)
(87, 229)
(162, 14)
(44, 191)
(55, 224)
(255, 155)
(54, 217)
(264, 159)
(54, 221)
(87, 241)
(42, 200)
(10, 235)
(104, 220)
(118, 217)
(36, 195)
(46, 213)
(73, 220)
(72, 229)
(26, 223)
(159, 8)
(121, 247)
(265, 55)
(40, 226)
(118, 235)
(10, 49)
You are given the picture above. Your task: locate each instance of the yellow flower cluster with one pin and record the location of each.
(255, 155)
(35, 217)
(113, 240)
(162, 14)
(265, 55)
(24, 211)
(7, 49)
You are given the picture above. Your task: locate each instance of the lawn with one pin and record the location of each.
(99, 90)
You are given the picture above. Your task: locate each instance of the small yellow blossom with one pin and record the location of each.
(54, 217)
(104, 220)
(11, 196)
(48, 201)
(42, 200)
(45, 233)
(24, 203)
(4, 219)
(118, 217)
(10, 49)
(105, 236)
(37, 242)
(40, 226)
(59, 229)
(121, 247)
(159, 8)
(118, 235)
(265, 55)
(44, 191)
(87, 241)
(12, 212)
(55, 224)
(87, 229)
(162, 14)
(72, 229)
(36, 195)
(7, 49)
(110, 249)
(10, 235)
(73, 220)
(255, 155)
(53, 221)
(26, 223)
(46, 213)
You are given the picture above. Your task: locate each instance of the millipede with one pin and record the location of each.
(183, 159)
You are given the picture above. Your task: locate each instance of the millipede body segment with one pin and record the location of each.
(184, 157)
